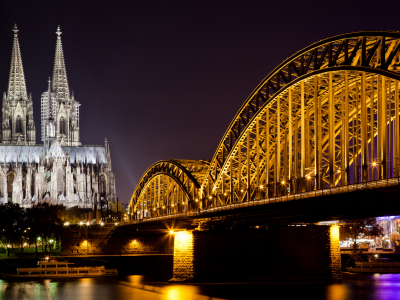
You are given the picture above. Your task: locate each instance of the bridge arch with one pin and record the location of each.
(168, 187)
(328, 116)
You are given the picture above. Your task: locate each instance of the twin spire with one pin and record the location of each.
(16, 84)
(60, 80)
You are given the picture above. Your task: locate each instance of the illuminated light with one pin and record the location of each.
(172, 205)
(261, 187)
(66, 224)
(87, 223)
(24, 230)
(308, 177)
(224, 194)
(80, 223)
(183, 255)
(376, 255)
(101, 224)
(84, 242)
(197, 200)
(374, 163)
(210, 197)
(171, 232)
(47, 258)
(9, 246)
(283, 182)
(51, 241)
(241, 191)
(163, 207)
(29, 228)
(25, 244)
(116, 224)
(335, 267)
(39, 238)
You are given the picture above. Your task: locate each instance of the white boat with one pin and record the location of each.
(52, 268)
(375, 265)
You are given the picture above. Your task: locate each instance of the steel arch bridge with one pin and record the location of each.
(169, 187)
(327, 117)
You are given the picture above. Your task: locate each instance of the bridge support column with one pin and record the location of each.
(275, 253)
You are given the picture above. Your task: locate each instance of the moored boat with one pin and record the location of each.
(375, 265)
(52, 268)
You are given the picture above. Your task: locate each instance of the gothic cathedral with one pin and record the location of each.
(61, 170)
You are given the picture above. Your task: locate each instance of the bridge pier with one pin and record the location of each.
(266, 254)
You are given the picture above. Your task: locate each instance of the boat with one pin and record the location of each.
(53, 268)
(375, 264)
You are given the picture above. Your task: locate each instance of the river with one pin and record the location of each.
(353, 286)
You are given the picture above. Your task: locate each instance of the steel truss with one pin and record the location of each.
(326, 117)
(168, 187)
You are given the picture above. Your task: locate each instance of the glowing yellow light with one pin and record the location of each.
(163, 207)
(172, 205)
(308, 177)
(224, 194)
(8, 246)
(116, 224)
(101, 224)
(80, 223)
(283, 182)
(171, 232)
(197, 200)
(261, 187)
(87, 223)
(241, 191)
(374, 163)
(210, 197)
(47, 258)
(84, 242)
(66, 223)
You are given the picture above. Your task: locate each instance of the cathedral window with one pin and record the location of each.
(1, 186)
(59, 181)
(103, 186)
(62, 126)
(10, 182)
(18, 125)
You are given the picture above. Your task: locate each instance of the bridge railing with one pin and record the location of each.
(304, 195)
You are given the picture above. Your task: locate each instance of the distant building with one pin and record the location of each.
(60, 170)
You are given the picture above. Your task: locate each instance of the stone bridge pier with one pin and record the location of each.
(264, 254)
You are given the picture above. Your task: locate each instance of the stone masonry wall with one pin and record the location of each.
(111, 240)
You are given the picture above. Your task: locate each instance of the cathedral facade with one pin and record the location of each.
(61, 170)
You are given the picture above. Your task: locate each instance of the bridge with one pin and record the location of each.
(324, 121)
(317, 139)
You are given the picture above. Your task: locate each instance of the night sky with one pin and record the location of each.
(163, 80)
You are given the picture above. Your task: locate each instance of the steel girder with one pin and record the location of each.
(362, 49)
(167, 187)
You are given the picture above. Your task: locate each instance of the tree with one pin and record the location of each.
(353, 228)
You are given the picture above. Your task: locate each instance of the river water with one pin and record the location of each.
(353, 286)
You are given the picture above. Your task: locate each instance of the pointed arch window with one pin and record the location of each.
(18, 125)
(62, 126)
(59, 181)
(10, 183)
(103, 185)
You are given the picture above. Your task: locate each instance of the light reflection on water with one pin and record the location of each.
(354, 286)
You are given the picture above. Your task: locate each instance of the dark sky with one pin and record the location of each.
(163, 80)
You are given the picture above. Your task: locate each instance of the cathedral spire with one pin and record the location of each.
(60, 80)
(16, 83)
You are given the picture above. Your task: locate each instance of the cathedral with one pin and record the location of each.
(60, 170)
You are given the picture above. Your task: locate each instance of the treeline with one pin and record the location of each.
(27, 227)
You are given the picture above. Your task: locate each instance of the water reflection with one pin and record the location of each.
(354, 286)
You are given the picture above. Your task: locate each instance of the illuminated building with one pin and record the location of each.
(61, 170)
